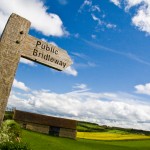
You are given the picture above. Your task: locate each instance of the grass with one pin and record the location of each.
(39, 141)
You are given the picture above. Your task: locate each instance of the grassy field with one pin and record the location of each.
(90, 136)
(39, 141)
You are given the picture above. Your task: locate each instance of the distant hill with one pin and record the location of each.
(93, 127)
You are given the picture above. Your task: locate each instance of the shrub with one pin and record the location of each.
(14, 146)
(10, 131)
(14, 127)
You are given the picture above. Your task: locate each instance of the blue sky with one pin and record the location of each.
(108, 41)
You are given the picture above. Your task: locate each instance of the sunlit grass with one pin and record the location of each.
(38, 141)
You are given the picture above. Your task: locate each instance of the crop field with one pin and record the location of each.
(39, 141)
(110, 136)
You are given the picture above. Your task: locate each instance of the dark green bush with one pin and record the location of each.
(7, 116)
(14, 146)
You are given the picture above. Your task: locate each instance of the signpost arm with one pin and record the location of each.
(11, 43)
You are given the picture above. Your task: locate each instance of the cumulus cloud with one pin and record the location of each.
(113, 109)
(20, 85)
(143, 89)
(141, 18)
(36, 12)
(71, 71)
(27, 62)
(131, 3)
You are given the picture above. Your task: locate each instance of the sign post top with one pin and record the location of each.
(33, 48)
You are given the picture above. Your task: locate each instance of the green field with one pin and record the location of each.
(39, 141)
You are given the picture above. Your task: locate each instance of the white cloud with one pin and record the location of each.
(116, 2)
(103, 23)
(26, 61)
(82, 87)
(96, 19)
(85, 65)
(36, 12)
(20, 85)
(86, 3)
(80, 55)
(113, 109)
(110, 26)
(132, 3)
(143, 89)
(89, 5)
(95, 8)
(71, 71)
(51, 42)
(141, 18)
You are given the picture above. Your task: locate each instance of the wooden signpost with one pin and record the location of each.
(15, 43)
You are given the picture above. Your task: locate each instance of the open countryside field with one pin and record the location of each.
(39, 141)
(90, 136)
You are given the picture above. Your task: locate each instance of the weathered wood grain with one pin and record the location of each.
(10, 45)
(14, 43)
(45, 53)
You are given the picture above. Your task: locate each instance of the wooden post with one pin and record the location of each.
(11, 43)
(14, 43)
